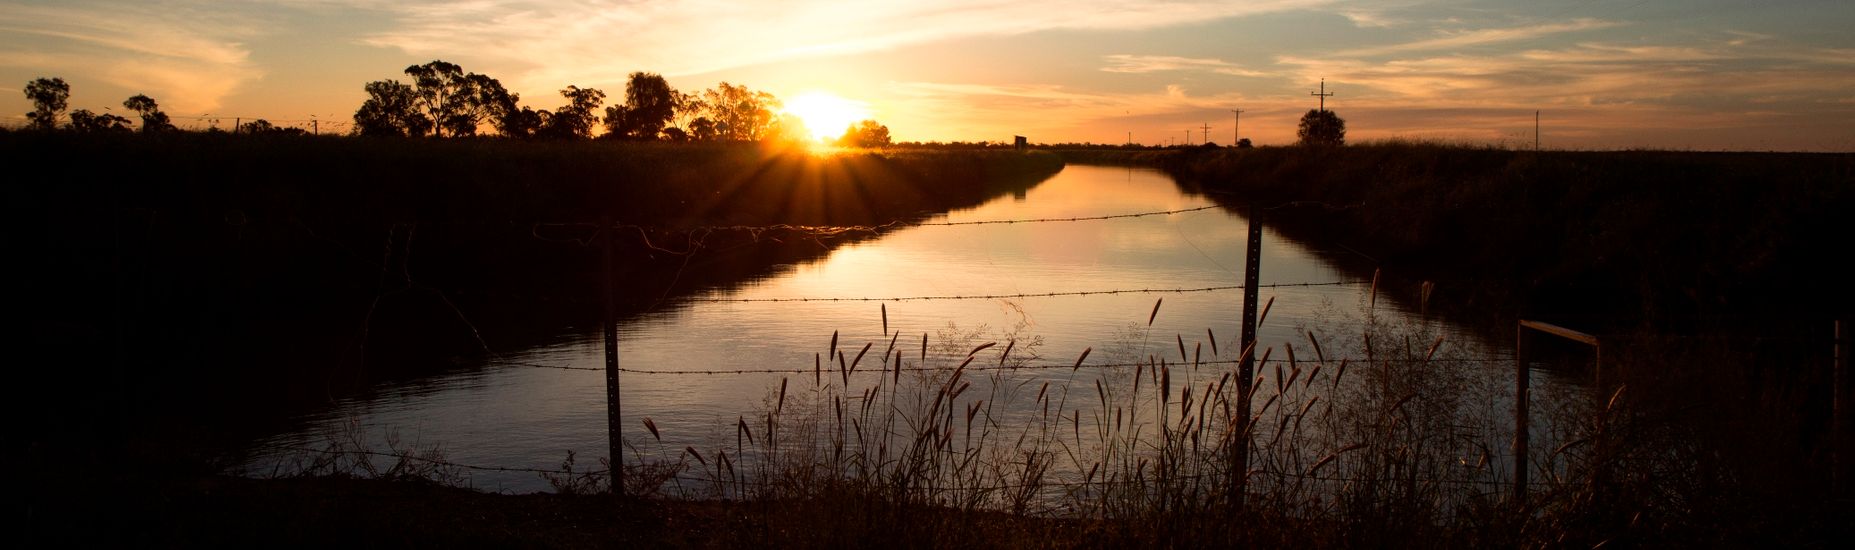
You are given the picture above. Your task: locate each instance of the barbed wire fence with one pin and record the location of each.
(695, 240)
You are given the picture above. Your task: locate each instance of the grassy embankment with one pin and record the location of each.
(192, 279)
(1608, 240)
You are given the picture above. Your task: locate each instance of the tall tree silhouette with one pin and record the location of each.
(391, 109)
(153, 120)
(739, 113)
(1322, 128)
(49, 97)
(576, 119)
(649, 105)
(455, 101)
(500, 107)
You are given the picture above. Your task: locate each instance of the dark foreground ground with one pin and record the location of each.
(210, 511)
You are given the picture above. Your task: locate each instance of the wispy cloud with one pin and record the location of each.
(602, 40)
(1041, 110)
(186, 54)
(1135, 64)
(1480, 37)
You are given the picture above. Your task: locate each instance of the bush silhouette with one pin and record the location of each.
(1322, 128)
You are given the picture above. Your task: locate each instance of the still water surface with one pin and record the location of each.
(513, 416)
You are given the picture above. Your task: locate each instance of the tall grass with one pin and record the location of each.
(1361, 432)
(952, 442)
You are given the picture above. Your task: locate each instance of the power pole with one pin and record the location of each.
(1188, 138)
(1207, 132)
(1323, 94)
(1236, 131)
(1535, 131)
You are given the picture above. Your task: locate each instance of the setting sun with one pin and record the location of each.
(825, 114)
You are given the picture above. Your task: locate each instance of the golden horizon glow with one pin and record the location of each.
(826, 114)
(1660, 75)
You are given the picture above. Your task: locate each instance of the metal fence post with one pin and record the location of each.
(1240, 446)
(1840, 411)
(1523, 379)
(615, 430)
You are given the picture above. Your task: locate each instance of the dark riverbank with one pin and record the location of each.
(1713, 280)
(212, 283)
(1615, 240)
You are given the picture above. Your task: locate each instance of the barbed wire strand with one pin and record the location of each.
(437, 461)
(830, 230)
(1047, 366)
(1027, 295)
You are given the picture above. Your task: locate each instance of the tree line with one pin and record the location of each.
(50, 97)
(440, 100)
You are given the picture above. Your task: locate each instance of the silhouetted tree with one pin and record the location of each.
(739, 114)
(675, 134)
(84, 121)
(703, 129)
(650, 103)
(261, 127)
(48, 96)
(1243, 143)
(500, 108)
(391, 110)
(1322, 128)
(153, 120)
(521, 122)
(617, 125)
(576, 119)
(456, 101)
(865, 134)
(689, 107)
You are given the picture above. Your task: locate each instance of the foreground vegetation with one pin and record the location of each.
(970, 441)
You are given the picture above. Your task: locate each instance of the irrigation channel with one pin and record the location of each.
(513, 411)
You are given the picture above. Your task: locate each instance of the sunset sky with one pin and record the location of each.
(1685, 74)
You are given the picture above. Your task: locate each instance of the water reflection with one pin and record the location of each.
(531, 417)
